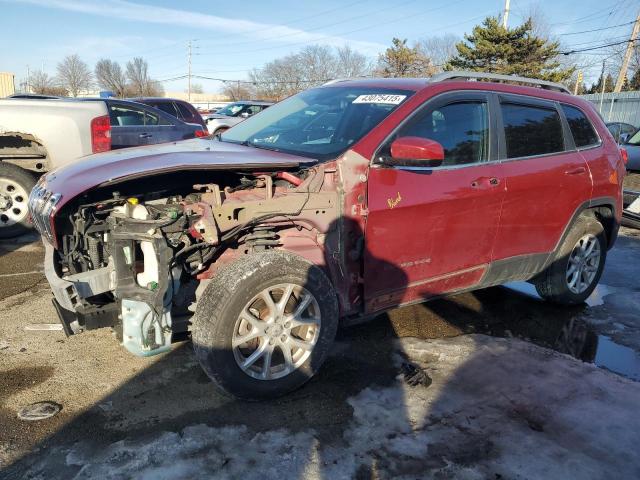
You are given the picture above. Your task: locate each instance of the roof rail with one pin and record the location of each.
(478, 76)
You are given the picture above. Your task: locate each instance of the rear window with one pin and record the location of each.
(583, 132)
(185, 114)
(531, 130)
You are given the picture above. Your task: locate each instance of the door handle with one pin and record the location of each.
(485, 182)
(145, 135)
(576, 171)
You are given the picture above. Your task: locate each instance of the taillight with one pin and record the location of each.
(100, 134)
(624, 155)
(201, 133)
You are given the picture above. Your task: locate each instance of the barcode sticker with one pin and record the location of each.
(380, 98)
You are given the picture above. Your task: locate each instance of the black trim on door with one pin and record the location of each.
(441, 100)
(534, 102)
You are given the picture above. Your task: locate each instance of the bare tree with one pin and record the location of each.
(235, 91)
(350, 63)
(311, 66)
(439, 49)
(42, 84)
(74, 75)
(614, 62)
(138, 75)
(155, 89)
(110, 76)
(197, 88)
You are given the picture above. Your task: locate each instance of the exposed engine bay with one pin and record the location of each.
(133, 261)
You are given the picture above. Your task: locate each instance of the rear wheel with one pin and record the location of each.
(574, 274)
(265, 324)
(15, 186)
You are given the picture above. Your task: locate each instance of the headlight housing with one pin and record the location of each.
(42, 208)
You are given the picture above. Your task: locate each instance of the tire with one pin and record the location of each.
(15, 187)
(219, 328)
(554, 283)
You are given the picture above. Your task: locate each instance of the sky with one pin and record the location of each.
(231, 38)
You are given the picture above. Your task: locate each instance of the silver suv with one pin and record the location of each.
(233, 114)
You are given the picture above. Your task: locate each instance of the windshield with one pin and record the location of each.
(231, 110)
(320, 123)
(635, 139)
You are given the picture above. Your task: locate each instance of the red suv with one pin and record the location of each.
(335, 204)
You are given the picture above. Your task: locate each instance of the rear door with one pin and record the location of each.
(436, 225)
(546, 178)
(161, 127)
(128, 125)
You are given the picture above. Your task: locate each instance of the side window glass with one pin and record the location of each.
(580, 126)
(122, 116)
(153, 119)
(531, 130)
(167, 108)
(253, 109)
(461, 128)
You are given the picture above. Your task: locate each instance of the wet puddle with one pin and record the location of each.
(596, 299)
(577, 338)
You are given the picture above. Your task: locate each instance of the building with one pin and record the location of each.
(617, 107)
(7, 84)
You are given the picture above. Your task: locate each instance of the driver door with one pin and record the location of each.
(430, 230)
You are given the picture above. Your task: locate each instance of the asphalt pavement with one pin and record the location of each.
(109, 396)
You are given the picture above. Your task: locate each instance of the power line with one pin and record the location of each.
(320, 27)
(598, 29)
(592, 16)
(376, 25)
(596, 48)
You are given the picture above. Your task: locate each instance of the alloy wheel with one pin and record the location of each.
(276, 331)
(583, 265)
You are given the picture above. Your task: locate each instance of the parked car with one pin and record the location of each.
(39, 134)
(621, 131)
(340, 203)
(232, 114)
(178, 108)
(632, 146)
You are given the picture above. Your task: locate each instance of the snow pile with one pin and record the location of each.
(497, 408)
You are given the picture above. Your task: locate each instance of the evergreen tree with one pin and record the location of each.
(608, 85)
(510, 51)
(400, 60)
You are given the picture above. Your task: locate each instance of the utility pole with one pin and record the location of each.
(189, 75)
(578, 82)
(604, 81)
(627, 55)
(28, 80)
(505, 15)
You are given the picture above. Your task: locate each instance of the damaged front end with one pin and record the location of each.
(132, 258)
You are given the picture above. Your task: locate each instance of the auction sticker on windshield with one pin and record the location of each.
(380, 98)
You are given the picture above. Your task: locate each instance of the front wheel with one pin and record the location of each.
(575, 272)
(15, 186)
(265, 324)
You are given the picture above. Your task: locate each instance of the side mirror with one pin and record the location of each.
(417, 151)
(244, 114)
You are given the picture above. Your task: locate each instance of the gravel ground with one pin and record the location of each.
(165, 411)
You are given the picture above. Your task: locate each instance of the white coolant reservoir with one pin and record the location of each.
(150, 273)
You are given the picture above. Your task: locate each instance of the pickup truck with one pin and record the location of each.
(37, 135)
